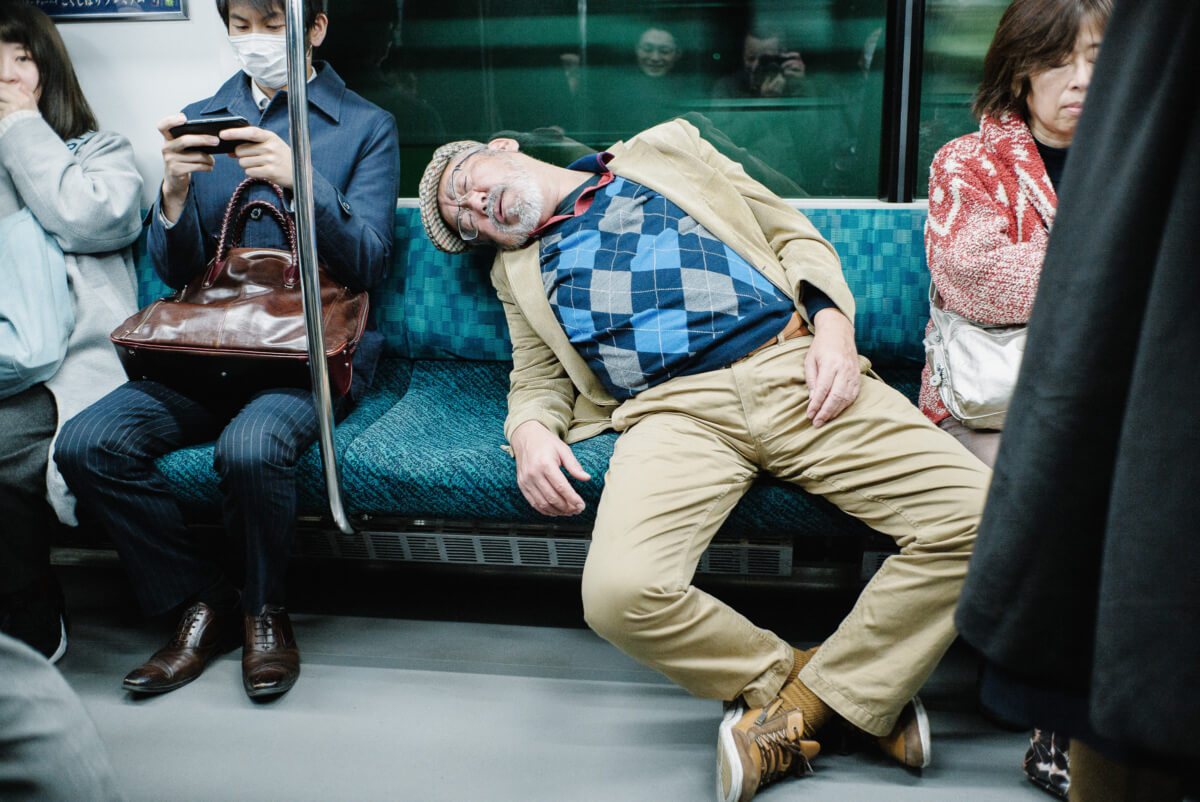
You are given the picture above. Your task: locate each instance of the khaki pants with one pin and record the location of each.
(691, 447)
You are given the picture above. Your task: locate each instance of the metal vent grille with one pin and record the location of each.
(747, 560)
(388, 546)
(461, 543)
(314, 544)
(422, 548)
(572, 553)
(351, 546)
(497, 551)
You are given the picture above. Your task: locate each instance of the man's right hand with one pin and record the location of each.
(180, 160)
(541, 457)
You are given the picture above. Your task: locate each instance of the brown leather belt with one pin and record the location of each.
(795, 328)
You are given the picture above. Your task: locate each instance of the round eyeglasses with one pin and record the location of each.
(460, 185)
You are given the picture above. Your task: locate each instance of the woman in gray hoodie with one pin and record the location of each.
(81, 185)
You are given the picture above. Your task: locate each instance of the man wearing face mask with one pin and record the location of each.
(108, 452)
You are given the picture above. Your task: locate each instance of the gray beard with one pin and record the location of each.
(528, 209)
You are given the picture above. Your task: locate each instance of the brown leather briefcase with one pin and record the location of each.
(240, 326)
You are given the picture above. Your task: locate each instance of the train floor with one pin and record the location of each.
(451, 686)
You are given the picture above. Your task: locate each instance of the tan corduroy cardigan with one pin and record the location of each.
(550, 381)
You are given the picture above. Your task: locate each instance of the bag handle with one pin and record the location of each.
(231, 210)
(292, 274)
(234, 222)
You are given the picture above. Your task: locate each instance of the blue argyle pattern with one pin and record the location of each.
(644, 292)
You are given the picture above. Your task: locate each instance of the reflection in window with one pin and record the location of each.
(957, 35)
(791, 88)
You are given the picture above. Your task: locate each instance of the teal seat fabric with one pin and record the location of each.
(427, 440)
(438, 452)
(190, 473)
(904, 377)
(387, 300)
(883, 260)
(149, 286)
(450, 309)
(437, 306)
(776, 509)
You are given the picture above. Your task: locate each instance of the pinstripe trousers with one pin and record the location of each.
(107, 454)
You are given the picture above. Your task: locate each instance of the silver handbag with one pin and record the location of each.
(973, 366)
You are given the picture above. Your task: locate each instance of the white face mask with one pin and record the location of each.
(263, 57)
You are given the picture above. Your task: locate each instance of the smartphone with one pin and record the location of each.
(211, 126)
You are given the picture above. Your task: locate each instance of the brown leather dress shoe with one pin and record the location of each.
(270, 659)
(203, 633)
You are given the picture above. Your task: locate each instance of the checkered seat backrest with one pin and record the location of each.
(439, 306)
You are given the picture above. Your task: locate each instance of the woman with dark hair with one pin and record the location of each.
(1081, 595)
(80, 185)
(992, 201)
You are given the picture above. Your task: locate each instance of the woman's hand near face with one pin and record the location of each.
(262, 154)
(180, 160)
(14, 97)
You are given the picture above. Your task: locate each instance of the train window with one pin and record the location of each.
(791, 88)
(957, 36)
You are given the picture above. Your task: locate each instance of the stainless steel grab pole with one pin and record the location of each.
(302, 199)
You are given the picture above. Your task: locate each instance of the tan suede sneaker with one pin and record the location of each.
(759, 745)
(909, 741)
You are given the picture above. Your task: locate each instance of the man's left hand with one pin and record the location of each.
(262, 154)
(831, 368)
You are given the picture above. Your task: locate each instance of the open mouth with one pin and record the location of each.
(493, 209)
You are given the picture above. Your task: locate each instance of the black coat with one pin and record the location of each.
(1086, 575)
